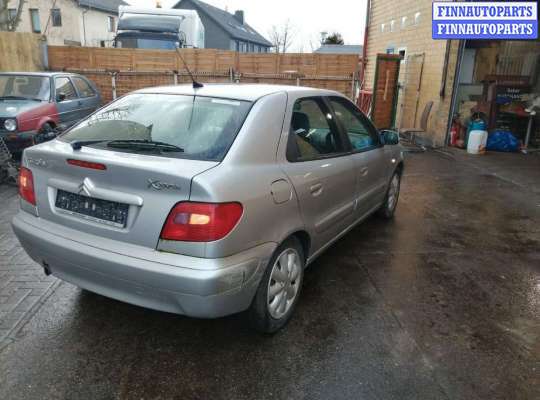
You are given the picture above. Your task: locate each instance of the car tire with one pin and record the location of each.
(279, 289)
(389, 205)
(44, 133)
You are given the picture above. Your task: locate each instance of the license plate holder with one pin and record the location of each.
(89, 208)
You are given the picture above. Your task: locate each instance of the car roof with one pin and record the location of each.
(248, 92)
(44, 74)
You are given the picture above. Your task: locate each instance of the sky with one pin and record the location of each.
(308, 17)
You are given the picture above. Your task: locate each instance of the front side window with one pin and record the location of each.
(34, 20)
(56, 17)
(65, 87)
(197, 128)
(313, 132)
(25, 87)
(84, 89)
(361, 133)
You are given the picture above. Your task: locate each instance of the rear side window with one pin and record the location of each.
(313, 133)
(204, 127)
(64, 85)
(84, 89)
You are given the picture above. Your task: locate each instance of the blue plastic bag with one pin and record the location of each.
(502, 141)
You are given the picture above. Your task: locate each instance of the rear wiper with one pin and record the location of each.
(144, 145)
(77, 144)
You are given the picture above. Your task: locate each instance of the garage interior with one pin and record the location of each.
(499, 85)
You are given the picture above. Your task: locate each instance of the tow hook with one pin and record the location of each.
(46, 269)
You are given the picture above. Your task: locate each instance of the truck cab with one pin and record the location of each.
(157, 28)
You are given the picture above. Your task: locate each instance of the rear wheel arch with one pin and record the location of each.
(304, 239)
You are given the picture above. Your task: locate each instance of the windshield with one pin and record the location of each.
(25, 87)
(202, 127)
(138, 43)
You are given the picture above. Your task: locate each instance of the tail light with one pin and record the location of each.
(201, 222)
(26, 185)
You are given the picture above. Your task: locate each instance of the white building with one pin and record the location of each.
(69, 22)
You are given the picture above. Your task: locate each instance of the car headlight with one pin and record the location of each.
(10, 124)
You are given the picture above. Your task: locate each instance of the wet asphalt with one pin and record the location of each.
(441, 303)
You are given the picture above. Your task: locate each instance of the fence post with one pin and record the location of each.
(175, 77)
(113, 84)
(231, 75)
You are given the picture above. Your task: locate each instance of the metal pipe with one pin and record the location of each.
(364, 49)
(455, 88)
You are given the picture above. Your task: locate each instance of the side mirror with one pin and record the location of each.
(390, 138)
(60, 97)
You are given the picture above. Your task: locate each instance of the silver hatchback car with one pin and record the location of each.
(205, 202)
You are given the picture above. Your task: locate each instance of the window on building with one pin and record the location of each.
(402, 51)
(417, 17)
(404, 22)
(111, 24)
(34, 20)
(393, 25)
(12, 14)
(383, 28)
(56, 17)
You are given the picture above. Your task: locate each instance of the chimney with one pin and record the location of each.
(239, 15)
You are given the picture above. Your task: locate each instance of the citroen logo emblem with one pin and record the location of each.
(83, 189)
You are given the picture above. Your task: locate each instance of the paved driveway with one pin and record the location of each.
(441, 303)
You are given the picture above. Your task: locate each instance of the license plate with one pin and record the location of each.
(97, 210)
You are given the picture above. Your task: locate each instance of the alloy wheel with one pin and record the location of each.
(284, 283)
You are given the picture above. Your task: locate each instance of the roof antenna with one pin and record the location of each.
(196, 85)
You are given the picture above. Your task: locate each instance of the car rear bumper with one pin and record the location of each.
(196, 287)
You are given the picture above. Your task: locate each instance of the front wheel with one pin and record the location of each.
(279, 289)
(388, 208)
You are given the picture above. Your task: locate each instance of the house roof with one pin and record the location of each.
(340, 49)
(110, 6)
(229, 23)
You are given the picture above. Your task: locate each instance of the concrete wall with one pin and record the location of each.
(414, 37)
(96, 22)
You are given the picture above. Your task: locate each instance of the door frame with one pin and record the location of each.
(387, 57)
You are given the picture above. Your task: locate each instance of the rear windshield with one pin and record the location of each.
(203, 127)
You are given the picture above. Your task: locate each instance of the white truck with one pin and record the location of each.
(158, 28)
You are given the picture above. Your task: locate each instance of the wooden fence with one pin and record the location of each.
(20, 51)
(118, 71)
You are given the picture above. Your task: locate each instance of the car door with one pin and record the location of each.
(320, 170)
(368, 154)
(67, 101)
(88, 97)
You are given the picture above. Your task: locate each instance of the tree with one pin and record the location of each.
(282, 37)
(6, 23)
(334, 38)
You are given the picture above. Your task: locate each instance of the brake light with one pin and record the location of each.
(26, 186)
(87, 164)
(201, 222)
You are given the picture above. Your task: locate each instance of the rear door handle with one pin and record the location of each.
(364, 171)
(316, 189)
